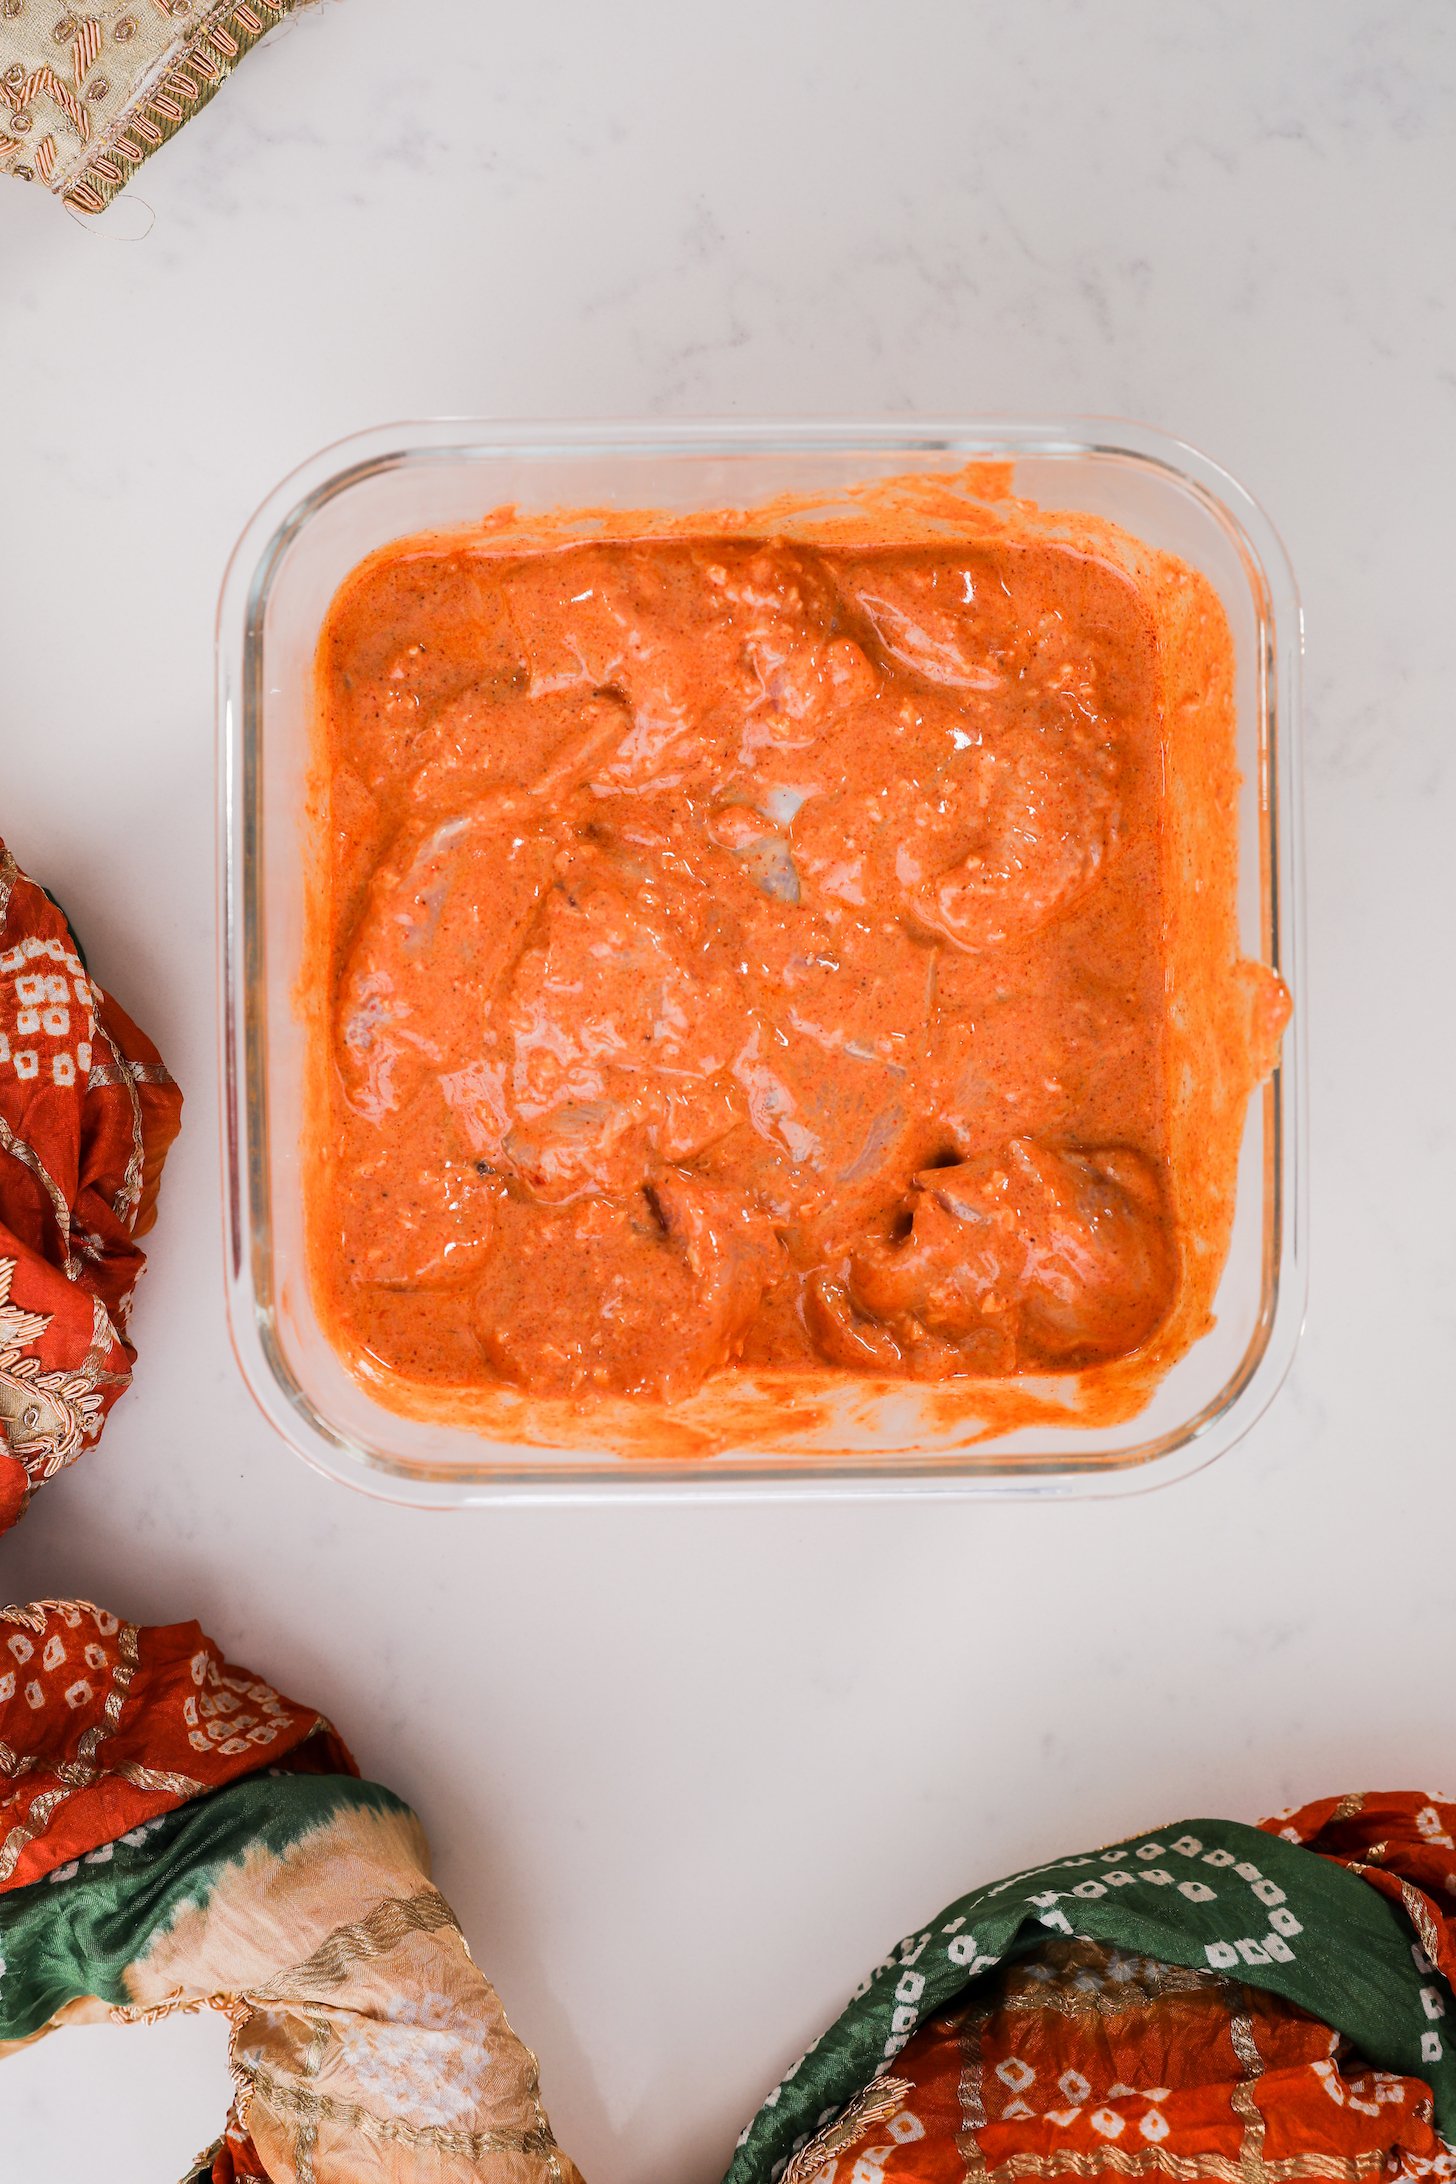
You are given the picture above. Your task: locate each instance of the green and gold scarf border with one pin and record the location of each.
(88, 93)
(80, 1932)
(364, 2038)
(1204, 1894)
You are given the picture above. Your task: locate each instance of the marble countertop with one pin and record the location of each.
(687, 1771)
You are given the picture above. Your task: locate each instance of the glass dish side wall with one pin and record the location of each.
(383, 485)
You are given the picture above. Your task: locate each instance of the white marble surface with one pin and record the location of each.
(686, 1772)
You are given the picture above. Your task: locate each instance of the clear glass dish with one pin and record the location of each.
(316, 526)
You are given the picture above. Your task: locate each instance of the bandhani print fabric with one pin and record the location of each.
(87, 1113)
(1212, 2001)
(175, 1833)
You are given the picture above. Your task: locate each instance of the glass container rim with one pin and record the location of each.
(351, 460)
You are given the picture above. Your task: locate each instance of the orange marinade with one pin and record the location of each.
(739, 954)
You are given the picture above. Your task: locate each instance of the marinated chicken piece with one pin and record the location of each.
(980, 846)
(1034, 1256)
(608, 1048)
(645, 1295)
(446, 905)
(1047, 823)
(930, 616)
(827, 1078)
(419, 1228)
(762, 850)
(544, 745)
(796, 676)
(614, 619)
(422, 930)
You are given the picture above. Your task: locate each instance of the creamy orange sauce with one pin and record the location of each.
(742, 959)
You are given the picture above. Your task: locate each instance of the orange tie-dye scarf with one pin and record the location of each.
(87, 1112)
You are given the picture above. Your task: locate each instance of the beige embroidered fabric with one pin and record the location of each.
(87, 95)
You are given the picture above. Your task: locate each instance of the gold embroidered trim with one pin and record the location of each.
(128, 1198)
(971, 2091)
(160, 1780)
(1418, 1911)
(1252, 2165)
(286, 2097)
(305, 2138)
(1107, 1992)
(331, 1965)
(202, 2166)
(1188, 2168)
(125, 1072)
(133, 84)
(377, 1936)
(875, 2103)
(29, 1158)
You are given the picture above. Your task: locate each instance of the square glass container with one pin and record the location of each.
(385, 484)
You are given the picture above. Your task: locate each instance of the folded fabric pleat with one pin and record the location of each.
(185, 1836)
(87, 1113)
(1208, 2000)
